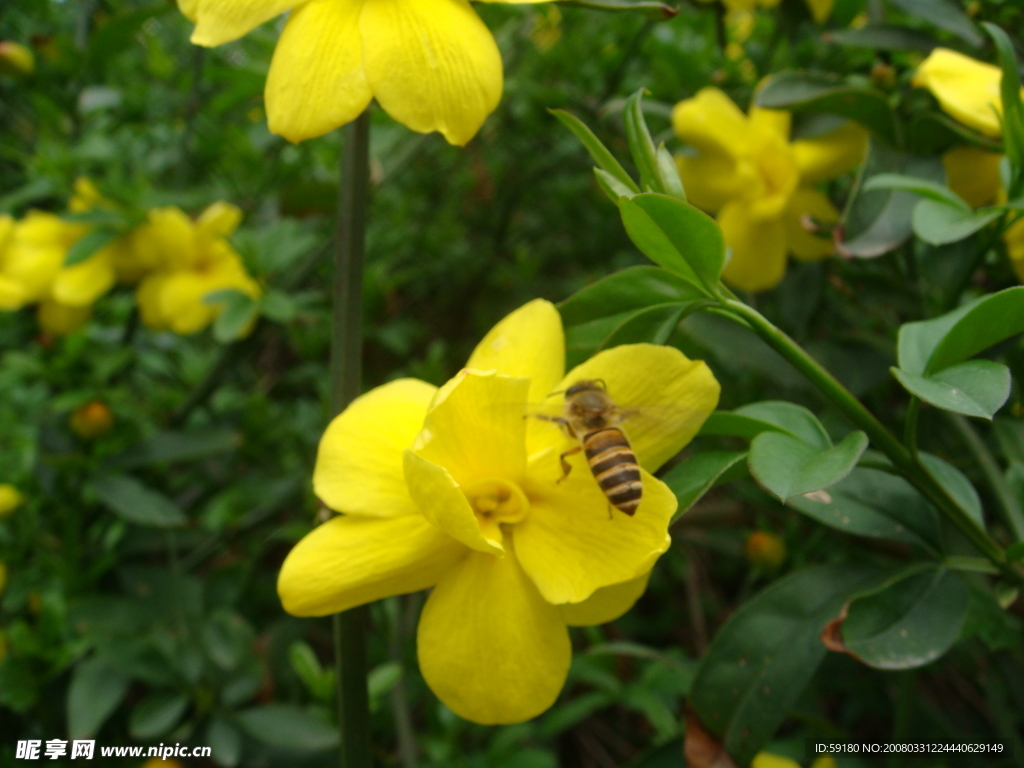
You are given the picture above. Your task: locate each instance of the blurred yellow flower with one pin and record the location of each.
(454, 489)
(191, 260)
(768, 760)
(16, 59)
(92, 420)
(10, 499)
(966, 88)
(758, 183)
(820, 9)
(431, 64)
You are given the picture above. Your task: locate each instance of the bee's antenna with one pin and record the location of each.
(604, 385)
(557, 392)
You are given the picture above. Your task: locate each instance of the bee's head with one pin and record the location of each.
(585, 385)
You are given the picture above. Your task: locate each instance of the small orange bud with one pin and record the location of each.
(10, 499)
(16, 59)
(765, 550)
(91, 420)
(883, 75)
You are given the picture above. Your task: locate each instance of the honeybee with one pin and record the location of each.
(592, 417)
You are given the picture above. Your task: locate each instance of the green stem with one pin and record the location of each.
(880, 437)
(910, 427)
(350, 627)
(1008, 504)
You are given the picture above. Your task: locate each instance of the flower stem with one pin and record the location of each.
(880, 437)
(350, 627)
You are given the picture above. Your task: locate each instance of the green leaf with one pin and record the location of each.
(137, 503)
(692, 478)
(227, 638)
(932, 133)
(793, 419)
(787, 467)
(1015, 552)
(641, 145)
(956, 485)
(98, 686)
(927, 346)
(676, 236)
(156, 714)
(975, 388)
(910, 621)
(877, 505)
(382, 679)
(799, 91)
(939, 223)
(225, 742)
(931, 190)
(944, 14)
(1013, 108)
(625, 292)
(278, 306)
(173, 447)
(668, 173)
(613, 189)
(239, 313)
(653, 10)
(288, 727)
(883, 37)
(89, 244)
(652, 325)
(764, 655)
(602, 156)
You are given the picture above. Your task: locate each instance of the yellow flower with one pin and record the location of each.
(966, 88)
(92, 420)
(758, 183)
(431, 64)
(16, 59)
(191, 260)
(10, 499)
(454, 489)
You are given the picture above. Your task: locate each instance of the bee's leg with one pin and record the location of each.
(566, 466)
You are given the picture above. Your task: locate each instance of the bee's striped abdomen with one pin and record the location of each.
(614, 466)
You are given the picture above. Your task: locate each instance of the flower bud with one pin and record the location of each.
(16, 59)
(10, 499)
(765, 550)
(91, 420)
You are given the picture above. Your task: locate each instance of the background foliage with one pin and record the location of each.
(140, 603)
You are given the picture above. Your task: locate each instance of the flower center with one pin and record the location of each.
(497, 501)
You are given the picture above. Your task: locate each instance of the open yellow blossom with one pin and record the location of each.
(455, 489)
(10, 499)
(758, 183)
(966, 88)
(431, 64)
(191, 260)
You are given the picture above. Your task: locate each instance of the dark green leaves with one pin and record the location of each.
(288, 727)
(820, 92)
(764, 655)
(975, 388)
(654, 10)
(909, 621)
(1013, 109)
(658, 172)
(98, 685)
(156, 714)
(787, 466)
(692, 478)
(236, 318)
(136, 503)
(944, 14)
(168, 447)
(677, 236)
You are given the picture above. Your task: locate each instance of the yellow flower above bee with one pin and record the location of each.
(452, 488)
(744, 169)
(431, 64)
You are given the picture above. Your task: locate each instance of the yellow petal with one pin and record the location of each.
(966, 88)
(572, 543)
(489, 646)
(351, 560)
(528, 343)
(758, 247)
(832, 154)
(806, 206)
(181, 302)
(359, 461)
(62, 319)
(820, 9)
(35, 253)
(168, 239)
(475, 427)
(777, 173)
(973, 173)
(712, 123)
(712, 179)
(776, 120)
(443, 503)
(1014, 239)
(672, 396)
(316, 80)
(13, 295)
(221, 21)
(432, 64)
(10, 499)
(189, 8)
(606, 604)
(81, 284)
(219, 219)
